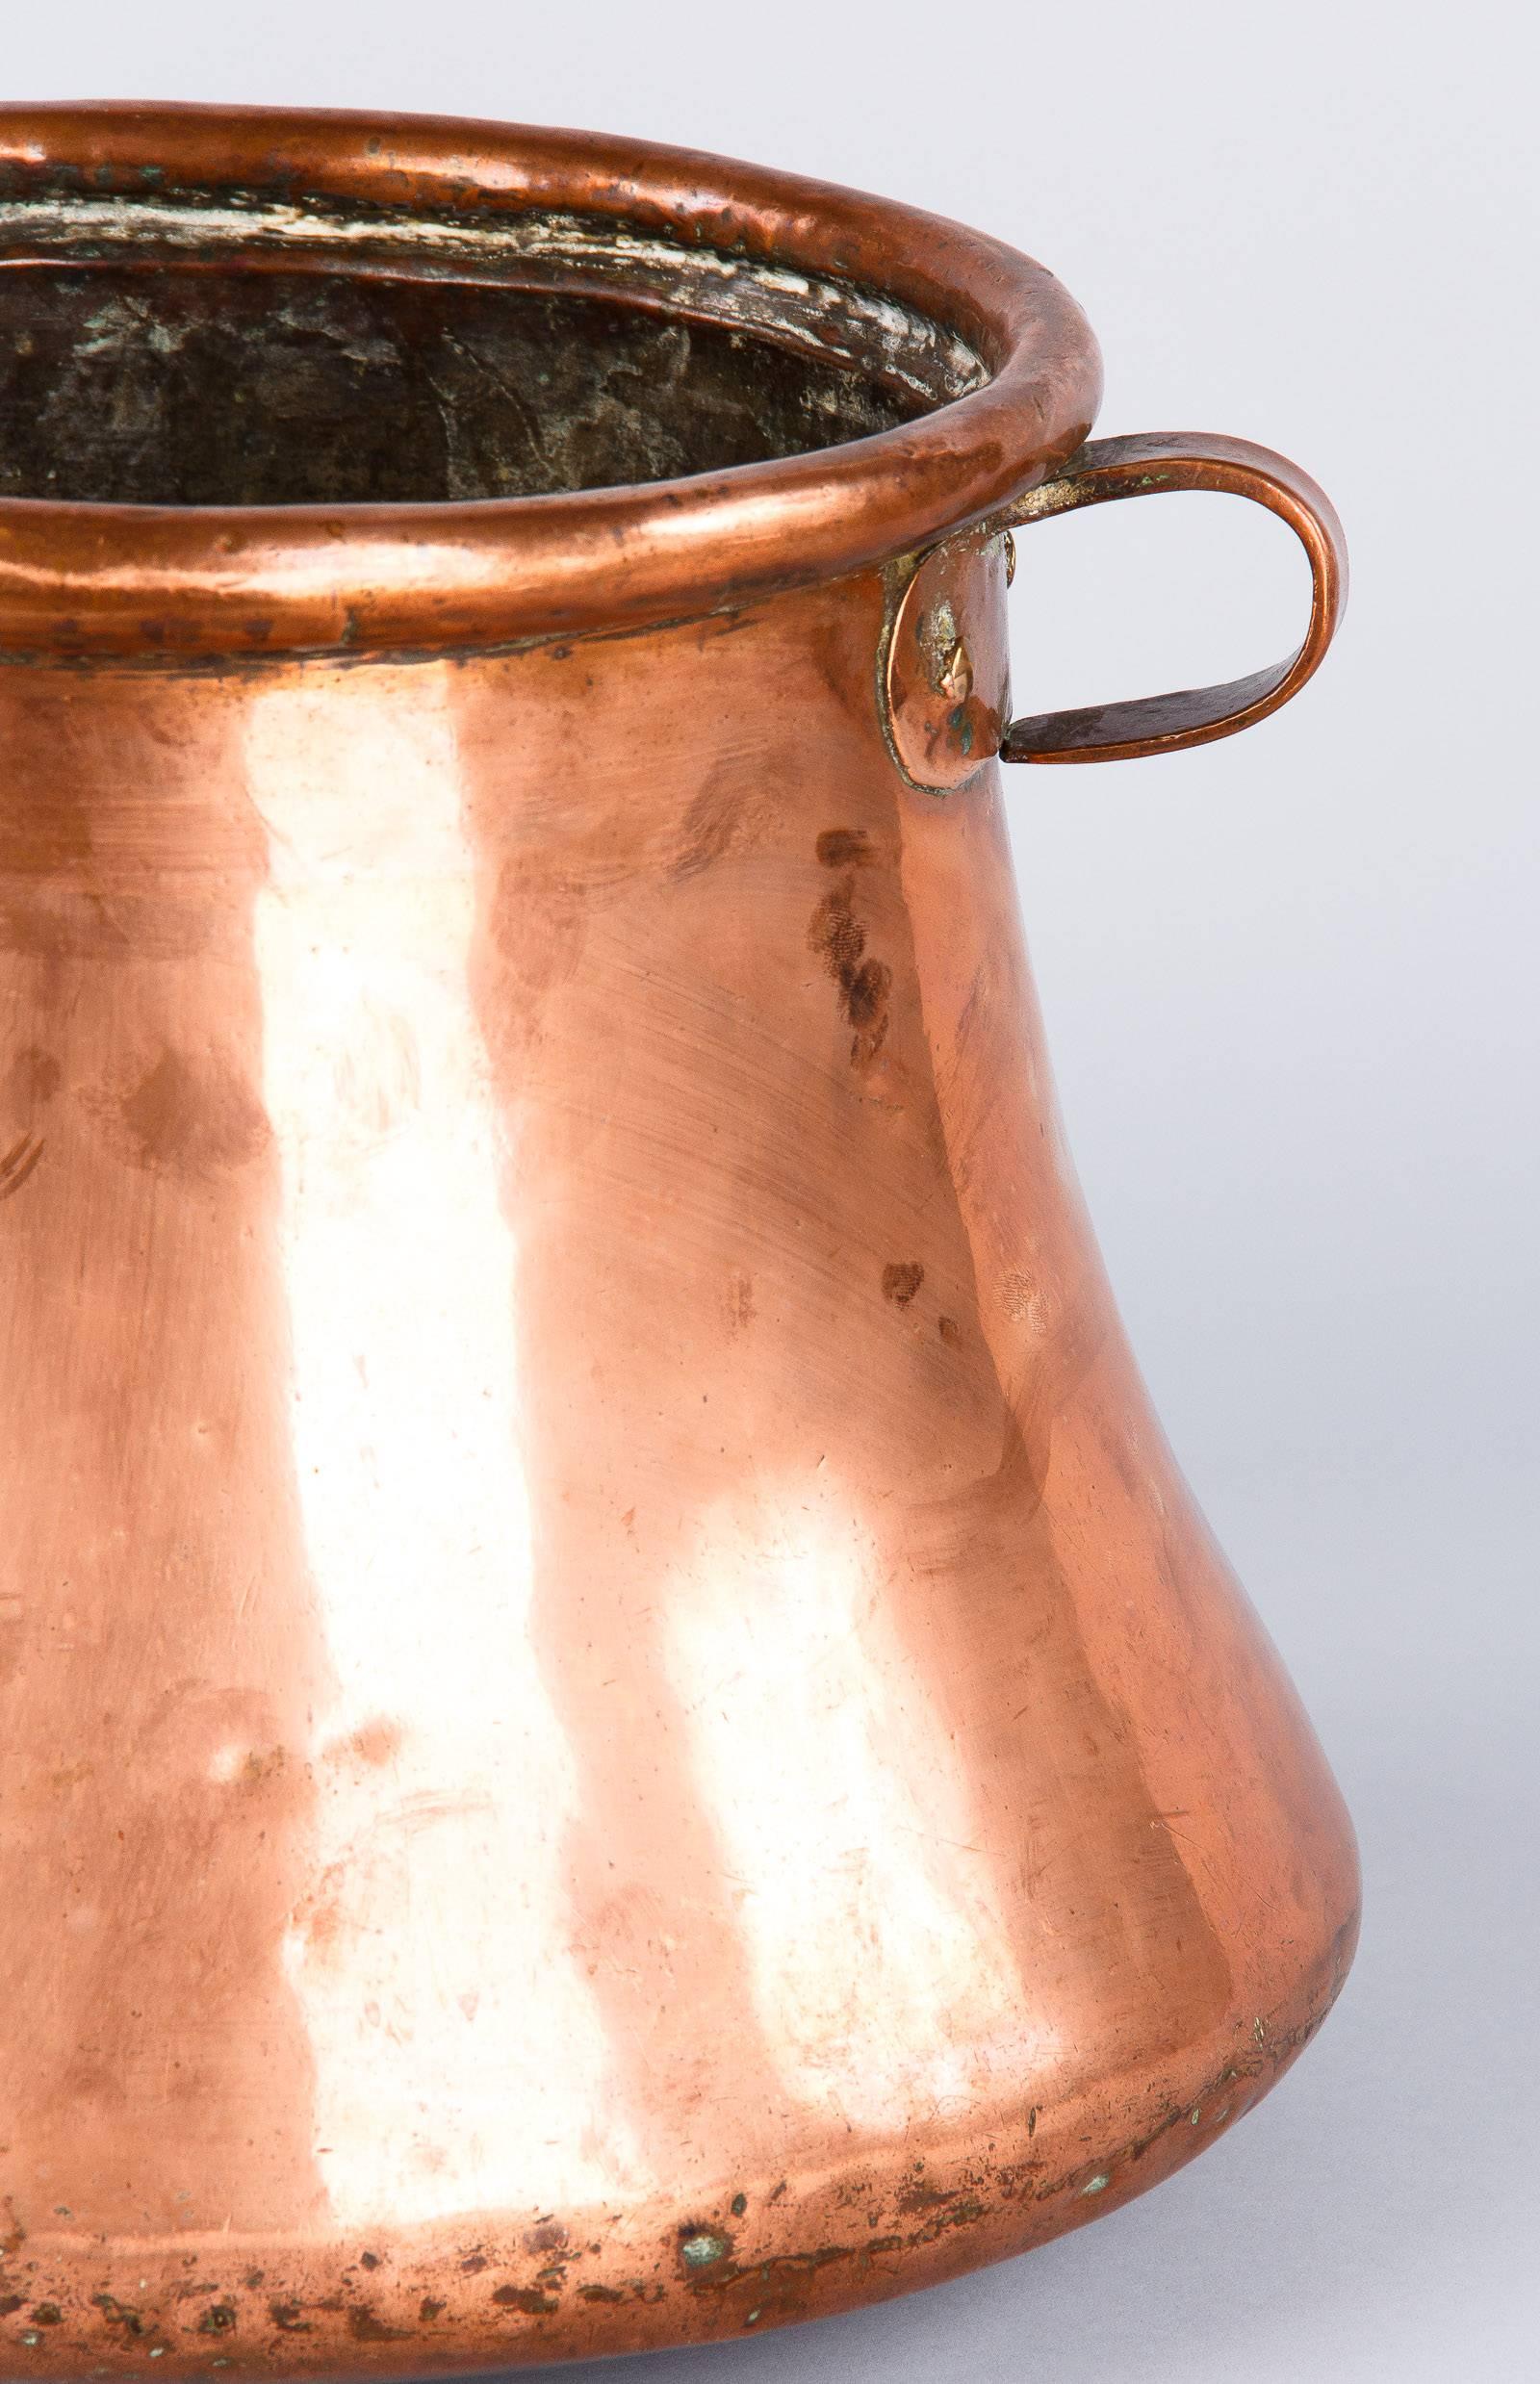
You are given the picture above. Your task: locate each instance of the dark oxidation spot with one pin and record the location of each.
(194, 1117)
(10, 2303)
(923, 2196)
(866, 997)
(550, 2236)
(47, 2314)
(955, 2211)
(115, 2313)
(901, 1280)
(836, 934)
(474, 2266)
(950, 1330)
(703, 2247)
(427, 2309)
(365, 2327)
(526, 2297)
(739, 2204)
(368, 2260)
(838, 939)
(32, 1079)
(844, 848)
(219, 2320)
(288, 2317)
(599, 2293)
(864, 988)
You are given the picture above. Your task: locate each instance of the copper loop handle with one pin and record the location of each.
(1153, 464)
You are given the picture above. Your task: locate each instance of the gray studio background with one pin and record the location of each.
(1290, 983)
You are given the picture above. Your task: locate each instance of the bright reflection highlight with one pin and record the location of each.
(883, 1976)
(445, 1785)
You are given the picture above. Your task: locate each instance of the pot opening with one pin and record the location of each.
(164, 352)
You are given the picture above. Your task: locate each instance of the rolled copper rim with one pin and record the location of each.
(431, 196)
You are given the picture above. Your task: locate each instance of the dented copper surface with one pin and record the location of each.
(615, 1724)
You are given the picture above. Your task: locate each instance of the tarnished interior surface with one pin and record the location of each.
(274, 355)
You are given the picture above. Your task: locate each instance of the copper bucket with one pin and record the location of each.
(615, 1726)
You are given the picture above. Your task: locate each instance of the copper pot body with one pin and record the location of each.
(615, 1724)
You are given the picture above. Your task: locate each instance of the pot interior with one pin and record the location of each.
(179, 357)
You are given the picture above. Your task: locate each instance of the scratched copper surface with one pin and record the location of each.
(615, 1724)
